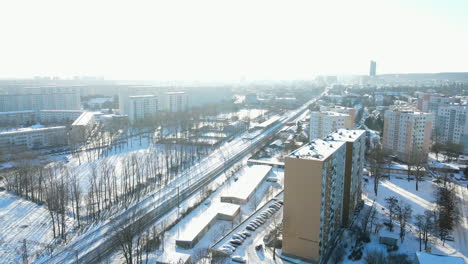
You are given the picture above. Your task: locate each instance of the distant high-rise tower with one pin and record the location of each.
(373, 68)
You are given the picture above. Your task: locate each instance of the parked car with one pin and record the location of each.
(238, 237)
(272, 179)
(250, 227)
(247, 233)
(227, 251)
(235, 242)
(449, 238)
(239, 259)
(229, 247)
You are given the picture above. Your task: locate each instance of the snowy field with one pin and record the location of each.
(23, 220)
(420, 200)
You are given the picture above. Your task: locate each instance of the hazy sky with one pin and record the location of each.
(220, 40)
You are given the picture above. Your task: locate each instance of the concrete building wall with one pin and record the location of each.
(313, 197)
(324, 123)
(302, 208)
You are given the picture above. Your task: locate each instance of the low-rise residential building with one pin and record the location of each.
(17, 118)
(407, 133)
(313, 197)
(34, 137)
(355, 153)
(323, 123)
(82, 127)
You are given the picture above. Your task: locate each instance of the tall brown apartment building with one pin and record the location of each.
(313, 196)
(320, 178)
(355, 152)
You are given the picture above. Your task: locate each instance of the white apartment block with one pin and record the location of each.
(17, 118)
(451, 125)
(177, 102)
(323, 123)
(34, 137)
(57, 116)
(313, 197)
(40, 98)
(407, 132)
(355, 157)
(143, 107)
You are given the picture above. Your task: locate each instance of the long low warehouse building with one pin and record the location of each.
(199, 226)
(242, 190)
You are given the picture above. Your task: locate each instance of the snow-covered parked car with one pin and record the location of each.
(239, 259)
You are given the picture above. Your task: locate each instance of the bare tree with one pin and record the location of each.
(403, 213)
(392, 203)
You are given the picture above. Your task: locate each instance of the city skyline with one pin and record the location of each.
(212, 40)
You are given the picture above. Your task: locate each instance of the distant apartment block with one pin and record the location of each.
(39, 98)
(342, 110)
(451, 125)
(57, 116)
(313, 197)
(34, 137)
(407, 132)
(177, 102)
(20, 118)
(355, 153)
(143, 107)
(17, 118)
(323, 123)
(373, 68)
(141, 103)
(430, 103)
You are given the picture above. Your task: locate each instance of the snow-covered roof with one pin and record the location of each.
(245, 186)
(317, 149)
(277, 142)
(426, 258)
(346, 135)
(31, 130)
(17, 112)
(84, 119)
(142, 96)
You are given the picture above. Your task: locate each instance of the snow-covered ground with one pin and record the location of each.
(23, 220)
(420, 200)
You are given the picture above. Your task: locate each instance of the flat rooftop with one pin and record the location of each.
(331, 113)
(241, 190)
(30, 130)
(348, 135)
(317, 149)
(84, 119)
(142, 96)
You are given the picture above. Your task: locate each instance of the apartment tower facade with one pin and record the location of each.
(313, 197)
(407, 133)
